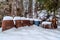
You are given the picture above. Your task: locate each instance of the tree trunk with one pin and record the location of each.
(13, 9)
(20, 8)
(54, 13)
(30, 8)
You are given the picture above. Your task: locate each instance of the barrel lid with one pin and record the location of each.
(46, 22)
(7, 18)
(17, 18)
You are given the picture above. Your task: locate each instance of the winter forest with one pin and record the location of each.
(30, 19)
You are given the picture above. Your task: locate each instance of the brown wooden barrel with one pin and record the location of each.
(18, 23)
(47, 25)
(7, 24)
(26, 22)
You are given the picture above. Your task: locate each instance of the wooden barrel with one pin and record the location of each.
(7, 24)
(26, 22)
(18, 23)
(47, 25)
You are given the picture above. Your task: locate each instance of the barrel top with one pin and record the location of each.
(7, 18)
(37, 20)
(46, 23)
(16, 18)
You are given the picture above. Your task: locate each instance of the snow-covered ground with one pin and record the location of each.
(30, 33)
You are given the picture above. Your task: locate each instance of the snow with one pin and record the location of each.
(17, 18)
(46, 22)
(23, 18)
(7, 18)
(52, 13)
(58, 16)
(30, 33)
(43, 14)
(37, 20)
(51, 17)
(44, 10)
(59, 21)
(38, 12)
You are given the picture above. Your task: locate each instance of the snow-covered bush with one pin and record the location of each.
(43, 14)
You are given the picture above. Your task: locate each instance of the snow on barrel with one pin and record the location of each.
(17, 21)
(47, 25)
(22, 21)
(26, 21)
(7, 23)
